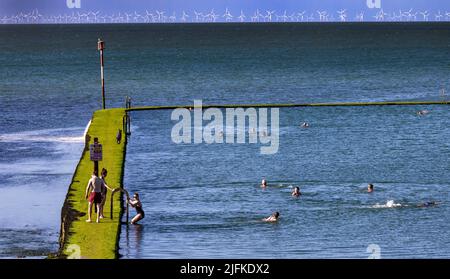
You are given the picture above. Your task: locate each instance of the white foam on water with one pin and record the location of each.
(388, 204)
(34, 188)
(47, 135)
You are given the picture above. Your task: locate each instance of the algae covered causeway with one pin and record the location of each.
(342, 105)
(89, 240)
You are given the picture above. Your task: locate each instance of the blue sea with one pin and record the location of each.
(204, 200)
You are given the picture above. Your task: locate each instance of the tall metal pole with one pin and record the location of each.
(101, 47)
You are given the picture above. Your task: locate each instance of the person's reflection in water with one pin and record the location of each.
(133, 240)
(138, 231)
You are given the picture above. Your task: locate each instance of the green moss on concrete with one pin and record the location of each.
(206, 106)
(96, 241)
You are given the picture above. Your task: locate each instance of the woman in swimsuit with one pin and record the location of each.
(136, 203)
(105, 188)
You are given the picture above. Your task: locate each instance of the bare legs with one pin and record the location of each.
(137, 218)
(102, 205)
(90, 212)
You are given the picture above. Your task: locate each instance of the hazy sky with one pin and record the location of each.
(54, 7)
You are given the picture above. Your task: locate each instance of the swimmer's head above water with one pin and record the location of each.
(273, 217)
(264, 183)
(422, 112)
(296, 192)
(370, 188)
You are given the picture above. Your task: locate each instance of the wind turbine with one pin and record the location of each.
(96, 15)
(148, 16)
(400, 15)
(447, 14)
(301, 16)
(127, 17)
(425, 15)
(137, 17)
(322, 15)
(212, 16)
(408, 15)
(184, 17)
(228, 17)
(292, 17)
(438, 16)
(198, 16)
(284, 17)
(269, 15)
(259, 15)
(173, 17)
(86, 16)
(241, 17)
(36, 16)
(360, 16)
(160, 16)
(342, 15)
(111, 18)
(59, 18)
(27, 17)
(254, 17)
(380, 15)
(119, 18)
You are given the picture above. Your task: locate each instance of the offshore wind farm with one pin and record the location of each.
(215, 16)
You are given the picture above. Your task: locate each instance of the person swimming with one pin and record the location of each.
(370, 188)
(422, 112)
(305, 125)
(428, 204)
(296, 193)
(273, 217)
(263, 183)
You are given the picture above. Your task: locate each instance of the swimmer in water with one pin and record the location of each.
(428, 204)
(136, 203)
(263, 183)
(305, 125)
(422, 112)
(296, 193)
(272, 218)
(370, 188)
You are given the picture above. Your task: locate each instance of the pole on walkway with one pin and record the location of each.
(101, 47)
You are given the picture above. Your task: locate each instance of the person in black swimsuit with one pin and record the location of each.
(136, 203)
